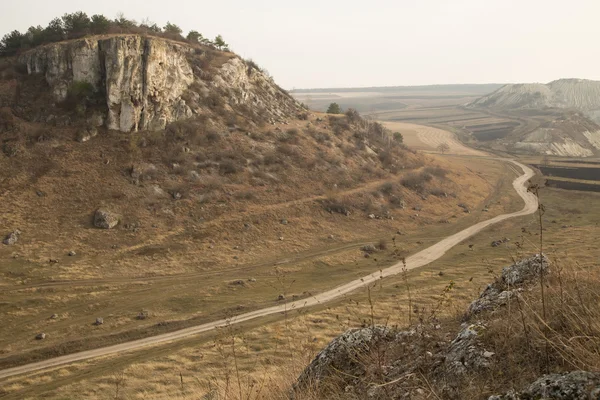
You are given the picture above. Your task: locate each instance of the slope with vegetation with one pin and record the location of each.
(240, 179)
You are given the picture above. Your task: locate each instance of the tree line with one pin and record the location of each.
(79, 25)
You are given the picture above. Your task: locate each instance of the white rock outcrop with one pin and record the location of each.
(145, 80)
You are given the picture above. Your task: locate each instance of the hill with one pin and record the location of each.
(579, 94)
(559, 118)
(206, 173)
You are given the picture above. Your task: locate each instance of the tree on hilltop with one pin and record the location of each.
(220, 43)
(334, 108)
(55, 31)
(195, 36)
(76, 25)
(99, 24)
(172, 29)
(11, 43)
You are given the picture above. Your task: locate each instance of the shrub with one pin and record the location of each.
(7, 120)
(229, 167)
(303, 116)
(436, 171)
(245, 195)
(335, 205)
(415, 180)
(387, 188)
(398, 137)
(438, 192)
(287, 150)
(252, 66)
(353, 116)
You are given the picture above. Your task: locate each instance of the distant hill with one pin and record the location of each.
(579, 94)
(465, 88)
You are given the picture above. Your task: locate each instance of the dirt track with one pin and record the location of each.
(428, 139)
(419, 259)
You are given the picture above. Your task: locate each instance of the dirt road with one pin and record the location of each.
(419, 259)
(426, 138)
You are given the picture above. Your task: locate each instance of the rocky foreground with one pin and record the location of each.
(379, 362)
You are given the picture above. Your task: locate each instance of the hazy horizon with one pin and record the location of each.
(385, 43)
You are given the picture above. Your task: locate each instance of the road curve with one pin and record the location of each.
(419, 259)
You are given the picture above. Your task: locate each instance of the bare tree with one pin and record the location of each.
(443, 148)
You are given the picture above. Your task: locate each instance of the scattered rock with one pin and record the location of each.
(12, 237)
(105, 219)
(371, 216)
(344, 354)
(99, 321)
(53, 261)
(142, 315)
(238, 282)
(252, 280)
(40, 336)
(509, 284)
(280, 297)
(86, 134)
(369, 248)
(497, 243)
(568, 386)
(465, 353)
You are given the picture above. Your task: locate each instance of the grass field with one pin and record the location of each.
(271, 355)
(203, 297)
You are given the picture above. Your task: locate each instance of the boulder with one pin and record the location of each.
(142, 315)
(40, 336)
(343, 354)
(12, 237)
(105, 219)
(86, 134)
(512, 280)
(466, 353)
(369, 248)
(99, 321)
(568, 386)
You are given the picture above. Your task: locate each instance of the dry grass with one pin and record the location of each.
(271, 356)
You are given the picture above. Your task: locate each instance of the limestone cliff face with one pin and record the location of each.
(145, 80)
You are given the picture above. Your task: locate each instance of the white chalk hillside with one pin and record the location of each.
(580, 94)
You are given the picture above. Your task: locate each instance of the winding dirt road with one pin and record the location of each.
(419, 259)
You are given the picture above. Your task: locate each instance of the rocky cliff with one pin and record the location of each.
(148, 82)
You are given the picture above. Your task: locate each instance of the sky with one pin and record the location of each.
(351, 43)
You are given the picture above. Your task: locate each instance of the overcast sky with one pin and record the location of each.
(309, 43)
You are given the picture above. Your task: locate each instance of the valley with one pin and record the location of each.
(175, 224)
